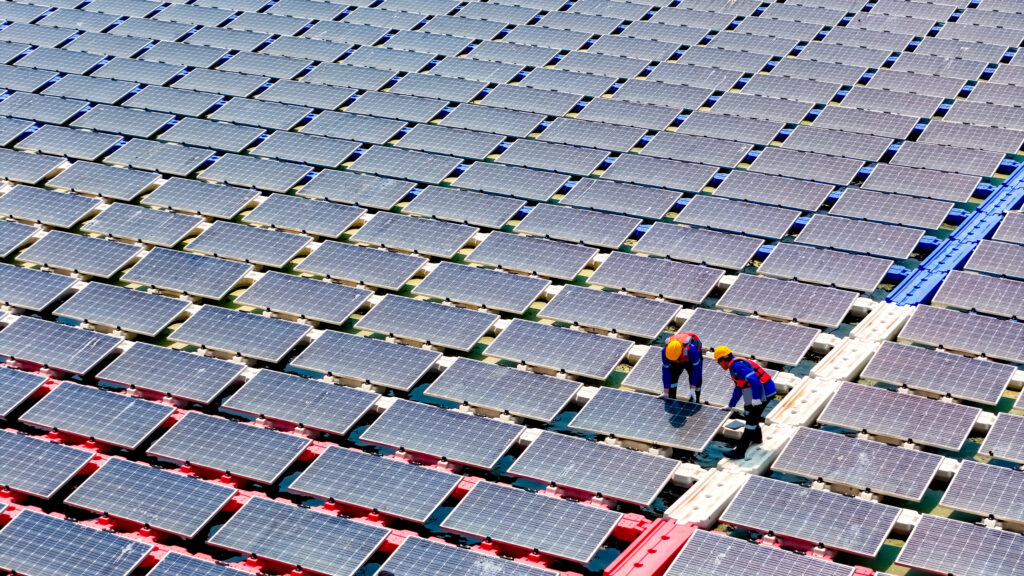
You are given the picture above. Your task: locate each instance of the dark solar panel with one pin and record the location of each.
(773, 190)
(788, 300)
(306, 216)
(429, 322)
(17, 387)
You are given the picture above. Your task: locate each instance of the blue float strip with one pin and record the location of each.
(920, 286)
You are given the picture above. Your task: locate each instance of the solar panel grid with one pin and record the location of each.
(1011, 229)
(999, 258)
(788, 300)
(1003, 439)
(13, 236)
(514, 181)
(306, 216)
(708, 247)
(531, 255)
(737, 216)
(191, 274)
(616, 312)
(948, 158)
(366, 359)
(967, 378)
(39, 205)
(27, 168)
(860, 236)
(656, 277)
(971, 333)
(304, 297)
(712, 151)
(104, 181)
(451, 141)
(984, 490)
(430, 322)
(80, 254)
(249, 244)
(169, 371)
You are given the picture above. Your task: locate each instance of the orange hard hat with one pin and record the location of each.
(674, 350)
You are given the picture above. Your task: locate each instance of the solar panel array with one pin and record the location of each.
(229, 151)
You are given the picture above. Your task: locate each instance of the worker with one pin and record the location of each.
(755, 387)
(681, 352)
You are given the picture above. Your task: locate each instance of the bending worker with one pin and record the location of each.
(755, 387)
(682, 352)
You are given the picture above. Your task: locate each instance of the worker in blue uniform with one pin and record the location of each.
(682, 354)
(755, 387)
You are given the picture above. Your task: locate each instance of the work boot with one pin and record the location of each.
(740, 451)
(757, 436)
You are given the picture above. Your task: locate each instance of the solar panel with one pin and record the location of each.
(527, 520)
(167, 501)
(209, 134)
(894, 208)
(307, 149)
(270, 115)
(104, 181)
(190, 274)
(716, 553)
(948, 158)
(348, 76)
(463, 206)
(860, 236)
(975, 292)
(495, 387)
(46, 206)
(496, 120)
(773, 190)
(80, 254)
(259, 173)
(618, 313)
(304, 297)
(28, 168)
(532, 255)
(166, 370)
(249, 244)
(59, 141)
(382, 484)
(241, 333)
(626, 113)
(224, 83)
(55, 345)
(701, 149)
(101, 90)
(397, 106)
(169, 159)
(1011, 229)
(420, 557)
(424, 321)
(407, 164)
(750, 130)
(31, 289)
(48, 466)
(592, 134)
(13, 236)
(985, 490)
(482, 287)
(354, 127)
(122, 308)
(358, 189)
(49, 109)
(1000, 258)
(834, 520)
(244, 450)
(306, 94)
(453, 89)
(641, 201)
(706, 247)
(574, 225)
(418, 235)
(554, 157)
(147, 72)
(35, 543)
(788, 300)
(684, 425)
(452, 141)
(902, 416)
(862, 464)
(737, 216)
(686, 176)
(665, 93)
(286, 533)
(438, 432)
(307, 216)
(751, 336)
(374, 267)
(1003, 440)
(963, 332)
(511, 181)
(920, 182)
(366, 360)
(520, 54)
(16, 388)
(310, 403)
(526, 99)
(592, 356)
(93, 413)
(957, 547)
(173, 100)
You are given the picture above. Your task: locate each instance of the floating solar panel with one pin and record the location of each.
(1011, 229)
(489, 289)
(169, 502)
(466, 27)
(179, 374)
(893, 208)
(140, 224)
(451, 141)
(773, 190)
(834, 520)
(902, 416)
(307, 216)
(48, 109)
(970, 333)
(12, 128)
(270, 115)
(286, 533)
(247, 171)
(985, 490)
(641, 201)
(17, 387)
(716, 553)
(1001, 258)
(249, 244)
(975, 292)
(656, 277)
(169, 52)
(13, 236)
(496, 120)
(46, 206)
(988, 138)
(520, 54)
(788, 300)
(860, 236)
(750, 336)
(172, 100)
(310, 150)
(834, 142)
(451, 89)
(306, 94)
(366, 360)
(538, 256)
(405, 164)
(124, 121)
(165, 158)
(592, 134)
(55, 345)
(35, 543)
(555, 157)
(28, 168)
(948, 158)
(735, 216)
(190, 274)
(304, 297)
(228, 38)
(700, 149)
(89, 88)
(428, 558)
(309, 403)
(573, 225)
(244, 450)
(104, 181)
(423, 321)
(662, 94)
(46, 466)
(427, 43)
(397, 106)
(268, 23)
(59, 60)
(528, 99)
(93, 413)
(358, 189)
(599, 468)
(362, 265)
(464, 206)
(729, 251)
(861, 464)
(807, 165)
(122, 309)
(215, 135)
(615, 312)
(511, 181)
(957, 547)
(512, 391)
(525, 519)
(240, 333)
(154, 73)
(443, 433)
(601, 64)
(1003, 440)
(354, 127)
(79, 254)
(543, 345)
(347, 76)
(920, 182)
(685, 176)
(742, 129)
(684, 425)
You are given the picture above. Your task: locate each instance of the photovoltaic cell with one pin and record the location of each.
(28, 168)
(860, 236)
(495, 387)
(581, 353)
(661, 172)
(122, 308)
(93, 413)
(957, 547)
(166, 370)
(708, 247)
(963, 332)
(169, 502)
(615, 312)
(554, 157)
(526, 99)
(861, 464)
(359, 264)
(751, 336)
(31, 289)
(305, 148)
(242, 333)
(304, 297)
(55, 345)
(511, 181)
(893, 208)
(306, 216)
(17, 387)
(419, 557)
(539, 256)
(249, 244)
(984, 490)
(104, 181)
(1003, 440)
(358, 189)
(13, 236)
(418, 235)
(280, 531)
(47, 466)
(80, 254)
(35, 543)
(191, 274)
(788, 300)
(530, 520)
(737, 216)
(1011, 229)
(975, 292)
(483, 287)
(713, 151)
(406, 164)
(430, 322)
(313, 404)
(438, 432)
(902, 416)
(574, 225)
(998, 258)
(629, 199)
(44, 206)
(365, 359)
(463, 206)
(369, 481)
(716, 553)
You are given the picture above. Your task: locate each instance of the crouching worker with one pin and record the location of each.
(755, 387)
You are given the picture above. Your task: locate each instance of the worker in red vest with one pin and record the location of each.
(682, 353)
(755, 387)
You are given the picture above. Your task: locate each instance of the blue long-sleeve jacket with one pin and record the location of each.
(742, 370)
(671, 371)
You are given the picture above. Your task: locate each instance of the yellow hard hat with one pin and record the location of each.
(673, 350)
(722, 352)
